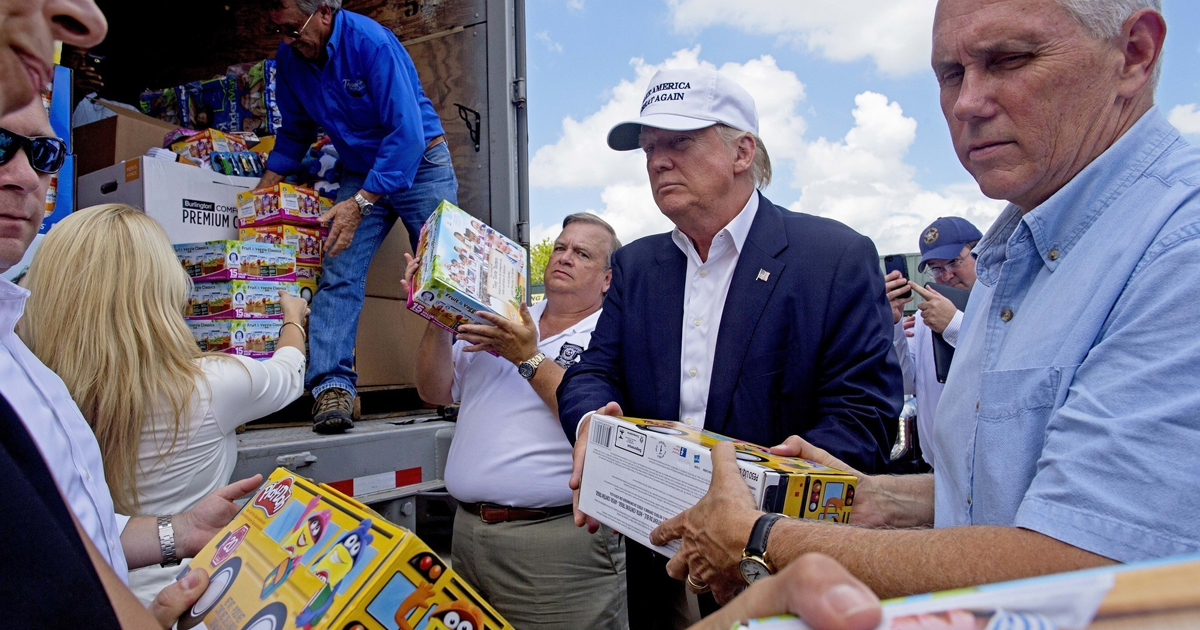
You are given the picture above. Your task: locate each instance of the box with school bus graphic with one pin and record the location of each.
(466, 267)
(638, 473)
(304, 556)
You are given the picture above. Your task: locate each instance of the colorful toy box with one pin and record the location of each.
(308, 241)
(254, 338)
(237, 260)
(639, 473)
(308, 277)
(238, 299)
(198, 147)
(281, 203)
(466, 267)
(302, 555)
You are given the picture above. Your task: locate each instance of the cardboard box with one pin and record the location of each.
(199, 146)
(123, 136)
(238, 299)
(254, 338)
(281, 203)
(303, 555)
(638, 473)
(237, 260)
(308, 278)
(386, 349)
(387, 267)
(466, 266)
(308, 241)
(191, 204)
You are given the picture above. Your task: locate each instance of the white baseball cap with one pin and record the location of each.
(685, 100)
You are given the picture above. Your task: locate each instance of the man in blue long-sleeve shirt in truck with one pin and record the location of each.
(351, 77)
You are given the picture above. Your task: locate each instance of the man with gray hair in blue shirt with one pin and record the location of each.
(350, 76)
(1068, 435)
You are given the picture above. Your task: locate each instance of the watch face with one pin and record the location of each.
(753, 569)
(525, 370)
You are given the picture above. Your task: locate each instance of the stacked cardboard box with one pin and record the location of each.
(289, 215)
(235, 306)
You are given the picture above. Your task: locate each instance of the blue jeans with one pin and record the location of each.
(333, 324)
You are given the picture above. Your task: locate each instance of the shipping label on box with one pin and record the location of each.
(638, 473)
(198, 147)
(238, 299)
(254, 338)
(192, 204)
(466, 266)
(237, 260)
(308, 241)
(301, 555)
(281, 203)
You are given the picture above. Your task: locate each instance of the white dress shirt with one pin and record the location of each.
(232, 391)
(705, 289)
(920, 371)
(60, 431)
(508, 448)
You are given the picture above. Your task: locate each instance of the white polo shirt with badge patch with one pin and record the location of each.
(509, 449)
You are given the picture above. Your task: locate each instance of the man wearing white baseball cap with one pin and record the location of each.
(747, 319)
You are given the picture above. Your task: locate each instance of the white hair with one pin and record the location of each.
(760, 168)
(1104, 19)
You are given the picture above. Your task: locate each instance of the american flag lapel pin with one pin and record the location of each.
(763, 274)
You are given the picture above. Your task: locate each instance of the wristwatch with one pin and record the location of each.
(364, 207)
(529, 366)
(754, 564)
(166, 542)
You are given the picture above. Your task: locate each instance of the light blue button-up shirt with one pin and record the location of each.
(1073, 406)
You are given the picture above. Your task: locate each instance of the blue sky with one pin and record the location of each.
(848, 105)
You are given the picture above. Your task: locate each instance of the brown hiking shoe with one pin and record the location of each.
(333, 411)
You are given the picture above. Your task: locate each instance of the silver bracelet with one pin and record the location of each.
(166, 542)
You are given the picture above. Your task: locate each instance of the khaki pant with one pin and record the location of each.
(544, 575)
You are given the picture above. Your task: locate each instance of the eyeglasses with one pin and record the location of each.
(289, 32)
(45, 153)
(951, 266)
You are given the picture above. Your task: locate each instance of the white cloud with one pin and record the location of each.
(1186, 118)
(861, 179)
(576, 5)
(895, 34)
(550, 44)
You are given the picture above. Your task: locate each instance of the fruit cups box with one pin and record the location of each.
(237, 260)
(281, 203)
(639, 473)
(197, 147)
(254, 338)
(307, 240)
(465, 267)
(302, 555)
(238, 299)
(308, 277)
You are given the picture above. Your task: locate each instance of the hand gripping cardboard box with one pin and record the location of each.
(302, 555)
(639, 473)
(237, 260)
(281, 203)
(238, 299)
(466, 267)
(254, 338)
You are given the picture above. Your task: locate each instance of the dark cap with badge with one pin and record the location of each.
(945, 238)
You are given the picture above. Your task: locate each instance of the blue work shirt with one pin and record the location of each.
(367, 97)
(1073, 405)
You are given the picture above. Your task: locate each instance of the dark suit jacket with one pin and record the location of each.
(807, 351)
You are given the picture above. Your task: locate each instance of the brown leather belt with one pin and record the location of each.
(491, 513)
(436, 141)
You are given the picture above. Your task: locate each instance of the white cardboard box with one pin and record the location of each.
(192, 204)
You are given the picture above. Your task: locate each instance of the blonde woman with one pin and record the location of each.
(105, 314)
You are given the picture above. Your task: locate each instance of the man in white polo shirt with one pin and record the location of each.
(510, 462)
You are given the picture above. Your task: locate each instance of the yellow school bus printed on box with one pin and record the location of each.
(304, 556)
(804, 489)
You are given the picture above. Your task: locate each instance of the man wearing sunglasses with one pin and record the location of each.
(946, 255)
(348, 75)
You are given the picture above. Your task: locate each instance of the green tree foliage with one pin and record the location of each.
(539, 257)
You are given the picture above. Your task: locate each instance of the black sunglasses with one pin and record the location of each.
(46, 154)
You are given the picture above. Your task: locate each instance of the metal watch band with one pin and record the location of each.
(528, 367)
(166, 542)
(364, 206)
(757, 545)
